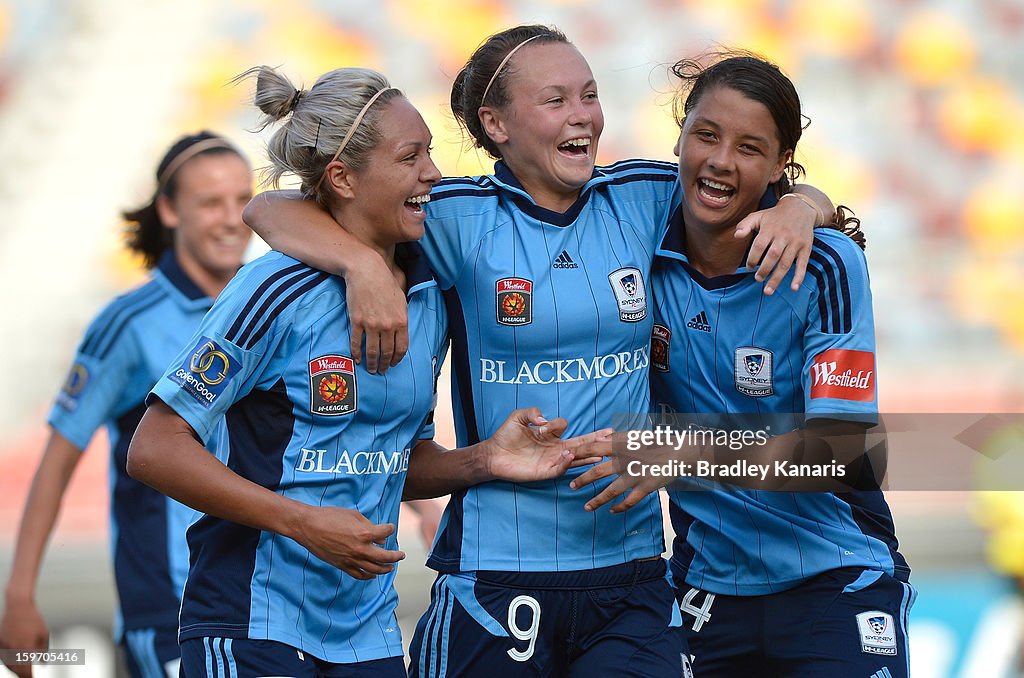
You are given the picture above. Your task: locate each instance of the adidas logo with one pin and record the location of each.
(700, 322)
(564, 261)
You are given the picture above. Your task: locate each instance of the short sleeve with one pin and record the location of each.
(237, 344)
(94, 389)
(839, 372)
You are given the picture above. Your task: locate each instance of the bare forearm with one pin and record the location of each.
(435, 471)
(301, 229)
(60, 458)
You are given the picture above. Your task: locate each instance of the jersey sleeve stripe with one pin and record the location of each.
(631, 178)
(844, 284)
(635, 163)
(99, 344)
(237, 325)
(268, 320)
(822, 303)
(829, 290)
(458, 181)
(240, 337)
(436, 195)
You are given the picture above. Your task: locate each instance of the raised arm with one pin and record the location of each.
(785, 234)
(23, 626)
(166, 455)
(376, 303)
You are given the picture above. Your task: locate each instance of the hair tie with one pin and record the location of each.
(502, 65)
(293, 102)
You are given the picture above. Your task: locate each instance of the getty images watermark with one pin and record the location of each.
(669, 440)
(795, 452)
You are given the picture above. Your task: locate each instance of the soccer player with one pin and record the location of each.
(292, 564)
(192, 236)
(771, 583)
(546, 270)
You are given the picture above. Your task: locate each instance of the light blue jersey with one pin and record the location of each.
(549, 310)
(722, 346)
(124, 352)
(268, 384)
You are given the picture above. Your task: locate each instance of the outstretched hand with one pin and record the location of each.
(634, 478)
(527, 447)
(346, 539)
(785, 234)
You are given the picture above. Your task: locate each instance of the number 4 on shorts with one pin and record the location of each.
(700, 614)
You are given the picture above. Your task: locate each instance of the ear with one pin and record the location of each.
(166, 211)
(342, 179)
(780, 167)
(493, 123)
(678, 148)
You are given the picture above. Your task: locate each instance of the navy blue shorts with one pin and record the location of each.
(152, 652)
(245, 658)
(619, 620)
(846, 622)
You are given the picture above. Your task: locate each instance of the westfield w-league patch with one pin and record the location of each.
(332, 386)
(514, 298)
(661, 340)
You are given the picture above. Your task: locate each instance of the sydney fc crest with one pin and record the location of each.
(877, 633)
(630, 294)
(753, 371)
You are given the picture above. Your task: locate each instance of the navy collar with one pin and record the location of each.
(503, 177)
(410, 258)
(673, 247)
(170, 268)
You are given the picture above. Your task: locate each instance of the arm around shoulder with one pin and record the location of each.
(377, 305)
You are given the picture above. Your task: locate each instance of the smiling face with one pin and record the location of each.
(729, 152)
(384, 199)
(549, 131)
(206, 215)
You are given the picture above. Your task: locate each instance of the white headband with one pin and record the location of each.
(355, 125)
(189, 153)
(501, 66)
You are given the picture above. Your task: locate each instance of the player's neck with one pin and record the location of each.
(715, 252)
(210, 282)
(364, 231)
